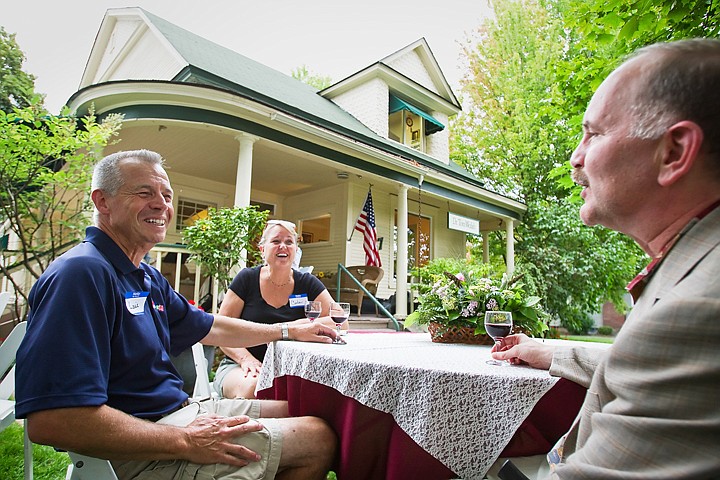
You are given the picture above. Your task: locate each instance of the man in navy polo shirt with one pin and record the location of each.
(94, 370)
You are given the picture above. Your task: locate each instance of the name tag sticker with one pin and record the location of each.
(135, 302)
(298, 301)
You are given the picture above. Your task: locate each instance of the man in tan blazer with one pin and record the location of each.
(649, 162)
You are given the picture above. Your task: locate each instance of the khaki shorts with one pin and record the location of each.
(267, 443)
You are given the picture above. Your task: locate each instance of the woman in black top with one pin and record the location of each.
(272, 293)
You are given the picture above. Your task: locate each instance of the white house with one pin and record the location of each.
(235, 132)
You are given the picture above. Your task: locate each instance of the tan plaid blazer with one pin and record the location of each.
(652, 409)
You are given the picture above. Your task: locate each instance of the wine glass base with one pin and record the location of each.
(498, 363)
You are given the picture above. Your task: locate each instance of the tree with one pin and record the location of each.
(311, 78)
(522, 125)
(17, 88)
(224, 238)
(46, 165)
(599, 34)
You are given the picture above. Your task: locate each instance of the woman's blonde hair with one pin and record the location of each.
(289, 226)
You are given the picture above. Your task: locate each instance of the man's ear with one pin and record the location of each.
(100, 200)
(680, 149)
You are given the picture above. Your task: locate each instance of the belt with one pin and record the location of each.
(158, 417)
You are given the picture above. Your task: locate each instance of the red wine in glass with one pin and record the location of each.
(498, 325)
(339, 312)
(312, 310)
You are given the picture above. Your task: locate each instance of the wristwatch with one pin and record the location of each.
(284, 331)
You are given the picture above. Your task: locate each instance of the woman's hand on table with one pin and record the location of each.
(522, 350)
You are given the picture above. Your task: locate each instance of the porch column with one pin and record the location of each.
(486, 247)
(510, 246)
(401, 272)
(243, 176)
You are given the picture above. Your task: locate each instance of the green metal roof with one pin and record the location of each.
(212, 64)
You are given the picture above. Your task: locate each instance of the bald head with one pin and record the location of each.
(677, 81)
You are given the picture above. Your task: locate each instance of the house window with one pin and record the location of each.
(188, 211)
(316, 229)
(407, 128)
(409, 124)
(264, 207)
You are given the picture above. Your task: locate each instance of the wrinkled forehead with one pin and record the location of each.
(137, 172)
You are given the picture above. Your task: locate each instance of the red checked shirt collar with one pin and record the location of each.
(637, 284)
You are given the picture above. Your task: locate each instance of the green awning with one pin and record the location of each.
(431, 125)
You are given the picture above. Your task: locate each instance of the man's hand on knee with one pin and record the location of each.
(210, 440)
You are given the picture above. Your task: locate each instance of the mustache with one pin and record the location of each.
(579, 177)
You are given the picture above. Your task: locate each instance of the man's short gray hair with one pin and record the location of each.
(108, 177)
(106, 174)
(682, 84)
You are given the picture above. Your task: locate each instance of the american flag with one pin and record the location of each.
(366, 225)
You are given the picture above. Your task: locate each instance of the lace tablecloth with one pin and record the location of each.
(444, 396)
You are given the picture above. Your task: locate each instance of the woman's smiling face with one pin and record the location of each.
(280, 246)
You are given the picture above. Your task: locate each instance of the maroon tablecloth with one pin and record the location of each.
(372, 446)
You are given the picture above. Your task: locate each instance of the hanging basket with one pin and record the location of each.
(440, 333)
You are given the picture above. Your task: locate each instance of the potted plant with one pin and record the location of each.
(453, 305)
(222, 239)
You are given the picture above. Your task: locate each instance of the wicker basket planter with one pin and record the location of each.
(440, 333)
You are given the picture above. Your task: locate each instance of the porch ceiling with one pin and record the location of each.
(212, 153)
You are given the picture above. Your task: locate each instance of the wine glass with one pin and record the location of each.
(498, 324)
(339, 311)
(313, 309)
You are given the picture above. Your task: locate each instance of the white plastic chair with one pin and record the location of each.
(4, 300)
(91, 468)
(8, 350)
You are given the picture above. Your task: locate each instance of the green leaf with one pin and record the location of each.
(412, 319)
(628, 30)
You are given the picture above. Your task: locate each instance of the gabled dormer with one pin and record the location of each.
(403, 97)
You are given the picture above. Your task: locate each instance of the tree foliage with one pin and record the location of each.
(46, 165)
(311, 78)
(17, 88)
(521, 126)
(533, 70)
(224, 238)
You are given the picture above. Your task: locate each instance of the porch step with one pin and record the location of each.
(370, 323)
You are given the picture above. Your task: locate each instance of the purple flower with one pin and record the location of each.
(460, 277)
(492, 304)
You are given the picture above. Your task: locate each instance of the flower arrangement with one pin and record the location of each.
(460, 300)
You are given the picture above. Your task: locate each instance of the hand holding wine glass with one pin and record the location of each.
(339, 311)
(313, 309)
(498, 324)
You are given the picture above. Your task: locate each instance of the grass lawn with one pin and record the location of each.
(47, 463)
(590, 338)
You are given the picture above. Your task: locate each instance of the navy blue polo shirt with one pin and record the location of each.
(101, 331)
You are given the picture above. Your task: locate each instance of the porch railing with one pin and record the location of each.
(380, 306)
(187, 286)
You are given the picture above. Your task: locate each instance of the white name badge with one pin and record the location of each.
(135, 302)
(297, 301)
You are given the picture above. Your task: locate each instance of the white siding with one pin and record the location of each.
(411, 66)
(148, 60)
(137, 57)
(331, 200)
(369, 104)
(437, 145)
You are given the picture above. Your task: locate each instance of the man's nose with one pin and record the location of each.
(577, 159)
